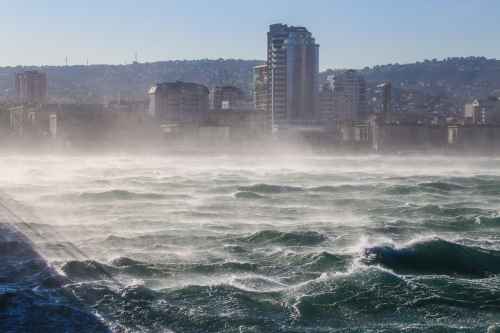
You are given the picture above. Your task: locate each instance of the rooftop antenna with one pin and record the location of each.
(66, 60)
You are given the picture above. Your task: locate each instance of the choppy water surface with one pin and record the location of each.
(248, 244)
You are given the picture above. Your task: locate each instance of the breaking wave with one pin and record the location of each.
(436, 256)
(216, 245)
(248, 195)
(286, 238)
(120, 195)
(266, 188)
(31, 294)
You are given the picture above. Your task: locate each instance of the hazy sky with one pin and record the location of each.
(351, 33)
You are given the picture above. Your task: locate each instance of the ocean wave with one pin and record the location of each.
(325, 261)
(256, 283)
(248, 195)
(227, 267)
(451, 291)
(340, 297)
(276, 189)
(57, 311)
(402, 189)
(270, 189)
(191, 308)
(489, 189)
(32, 297)
(428, 187)
(436, 256)
(487, 221)
(445, 211)
(138, 292)
(125, 261)
(116, 239)
(235, 249)
(120, 195)
(88, 270)
(16, 248)
(462, 223)
(342, 188)
(442, 186)
(297, 238)
(365, 293)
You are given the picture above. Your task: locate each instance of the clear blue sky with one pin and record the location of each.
(352, 33)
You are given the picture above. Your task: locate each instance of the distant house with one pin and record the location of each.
(483, 112)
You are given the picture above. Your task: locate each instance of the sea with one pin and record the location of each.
(239, 243)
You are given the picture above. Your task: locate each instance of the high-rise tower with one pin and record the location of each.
(293, 68)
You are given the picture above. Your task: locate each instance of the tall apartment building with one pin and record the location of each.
(31, 87)
(350, 100)
(261, 97)
(227, 97)
(293, 65)
(179, 102)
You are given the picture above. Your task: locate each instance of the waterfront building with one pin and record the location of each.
(248, 126)
(293, 66)
(350, 100)
(227, 97)
(179, 102)
(472, 113)
(483, 112)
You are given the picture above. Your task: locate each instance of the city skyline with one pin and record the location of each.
(350, 35)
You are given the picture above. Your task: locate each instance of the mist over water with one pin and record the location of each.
(288, 243)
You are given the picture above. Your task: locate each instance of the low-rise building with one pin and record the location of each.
(350, 99)
(179, 102)
(483, 112)
(251, 125)
(472, 113)
(31, 87)
(475, 138)
(227, 97)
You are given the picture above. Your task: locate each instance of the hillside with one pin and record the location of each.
(458, 79)
(87, 83)
(454, 77)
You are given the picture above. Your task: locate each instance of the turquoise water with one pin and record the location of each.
(262, 244)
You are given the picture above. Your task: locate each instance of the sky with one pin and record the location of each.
(352, 33)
